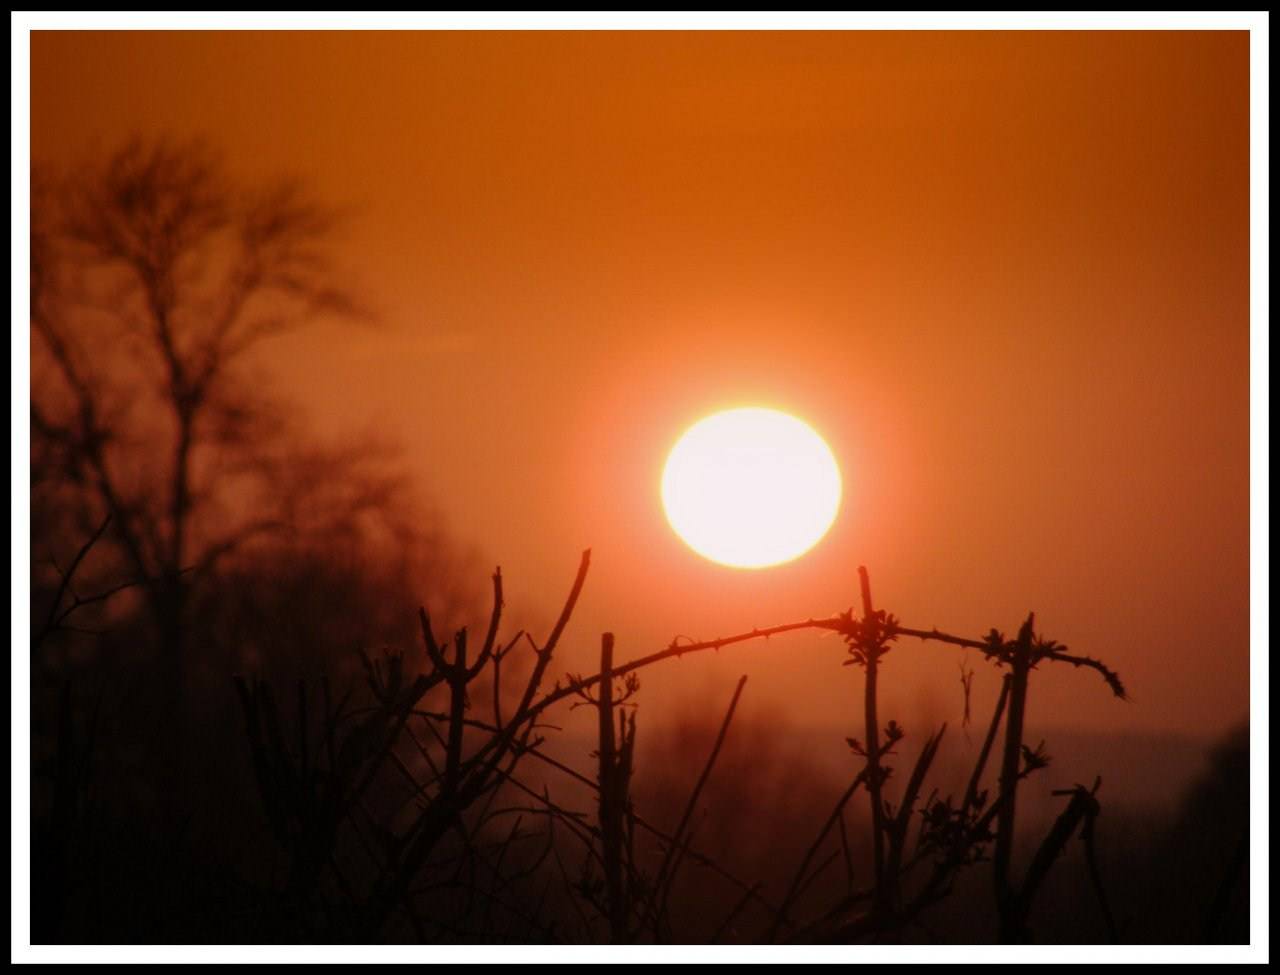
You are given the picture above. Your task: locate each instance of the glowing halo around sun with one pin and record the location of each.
(751, 487)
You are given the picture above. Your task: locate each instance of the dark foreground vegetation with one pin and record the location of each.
(420, 800)
(245, 729)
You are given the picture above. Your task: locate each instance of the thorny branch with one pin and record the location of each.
(461, 782)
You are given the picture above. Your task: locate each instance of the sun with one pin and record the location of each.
(751, 487)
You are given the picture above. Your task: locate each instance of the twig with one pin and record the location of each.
(612, 798)
(971, 792)
(797, 881)
(670, 862)
(1007, 802)
(871, 656)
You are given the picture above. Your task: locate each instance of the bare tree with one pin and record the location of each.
(155, 277)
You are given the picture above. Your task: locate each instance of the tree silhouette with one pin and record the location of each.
(155, 277)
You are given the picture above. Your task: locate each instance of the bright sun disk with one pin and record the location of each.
(751, 487)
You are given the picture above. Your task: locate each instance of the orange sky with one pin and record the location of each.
(1006, 275)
